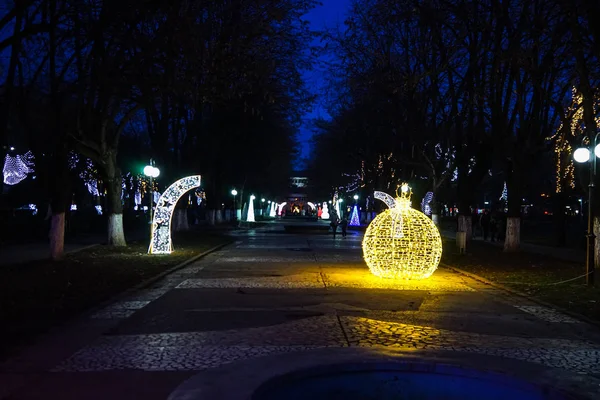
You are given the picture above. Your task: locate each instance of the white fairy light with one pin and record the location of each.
(425, 203)
(17, 168)
(99, 209)
(161, 225)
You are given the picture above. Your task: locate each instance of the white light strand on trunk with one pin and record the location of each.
(161, 225)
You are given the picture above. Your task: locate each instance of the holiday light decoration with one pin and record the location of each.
(280, 208)
(273, 212)
(325, 213)
(17, 168)
(402, 242)
(311, 205)
(161, 225)
(568, 134)
(251, 210)
(354, 219)
(504, 195)
(426, 203)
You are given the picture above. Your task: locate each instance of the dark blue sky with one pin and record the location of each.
(329, 15)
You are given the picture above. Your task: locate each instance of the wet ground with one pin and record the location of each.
(272, 293)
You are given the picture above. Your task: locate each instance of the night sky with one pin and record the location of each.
(329, 15)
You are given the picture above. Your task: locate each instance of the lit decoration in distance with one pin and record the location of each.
(402, 242)
(161, 242)
(504, 195)
(426, 203)
(354, 219)
(17, 168)
(325, 213)
(251, 210)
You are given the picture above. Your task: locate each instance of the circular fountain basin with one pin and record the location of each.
(398, 381)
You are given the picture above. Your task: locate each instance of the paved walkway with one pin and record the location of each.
(272, 293)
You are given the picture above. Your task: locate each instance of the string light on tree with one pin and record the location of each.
(17, 168)
(401, 242)
(504, 195)
(568, 133)
(161, 225)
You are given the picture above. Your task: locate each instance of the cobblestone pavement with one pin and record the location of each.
(271, 293)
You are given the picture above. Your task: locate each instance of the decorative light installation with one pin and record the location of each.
(251, 210)
(273, 212)
(504, 195)
(16, 168)
(99, 209)
(425, 203)
(354, 219)
(402, 242)
(325, 213)
(161, 225)
(311, 205)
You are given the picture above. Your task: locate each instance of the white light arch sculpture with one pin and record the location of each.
(160, 242)
(311, 205)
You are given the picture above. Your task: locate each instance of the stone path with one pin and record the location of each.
(272, 293)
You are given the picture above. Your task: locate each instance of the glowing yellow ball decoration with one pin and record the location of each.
(402, 242)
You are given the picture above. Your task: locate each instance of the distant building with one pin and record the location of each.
(299, 182)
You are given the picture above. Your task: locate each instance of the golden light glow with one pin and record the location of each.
(564, 138)
(402, 242)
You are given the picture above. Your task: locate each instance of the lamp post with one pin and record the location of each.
(262, 206)
(589, 155)
(151, 172)
(234, 193)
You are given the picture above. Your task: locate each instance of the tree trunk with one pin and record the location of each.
(183, 219)
(57, 235)
(435, 212)
(210, 217)
(597, 242)
(560, 219)
(465, 225)
(513, 234)
(116, 234)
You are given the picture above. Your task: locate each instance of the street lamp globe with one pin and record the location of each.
(581, 155)
(597, 150)
(262, 200)
(355, 197)
(234, 192)
(151, 171)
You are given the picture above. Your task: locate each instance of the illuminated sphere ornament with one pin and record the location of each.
(401, 242)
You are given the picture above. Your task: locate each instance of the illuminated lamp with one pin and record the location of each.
(161, 242)
(581, 155)
(401, 242)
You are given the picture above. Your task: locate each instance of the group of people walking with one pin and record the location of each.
(491, 224)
